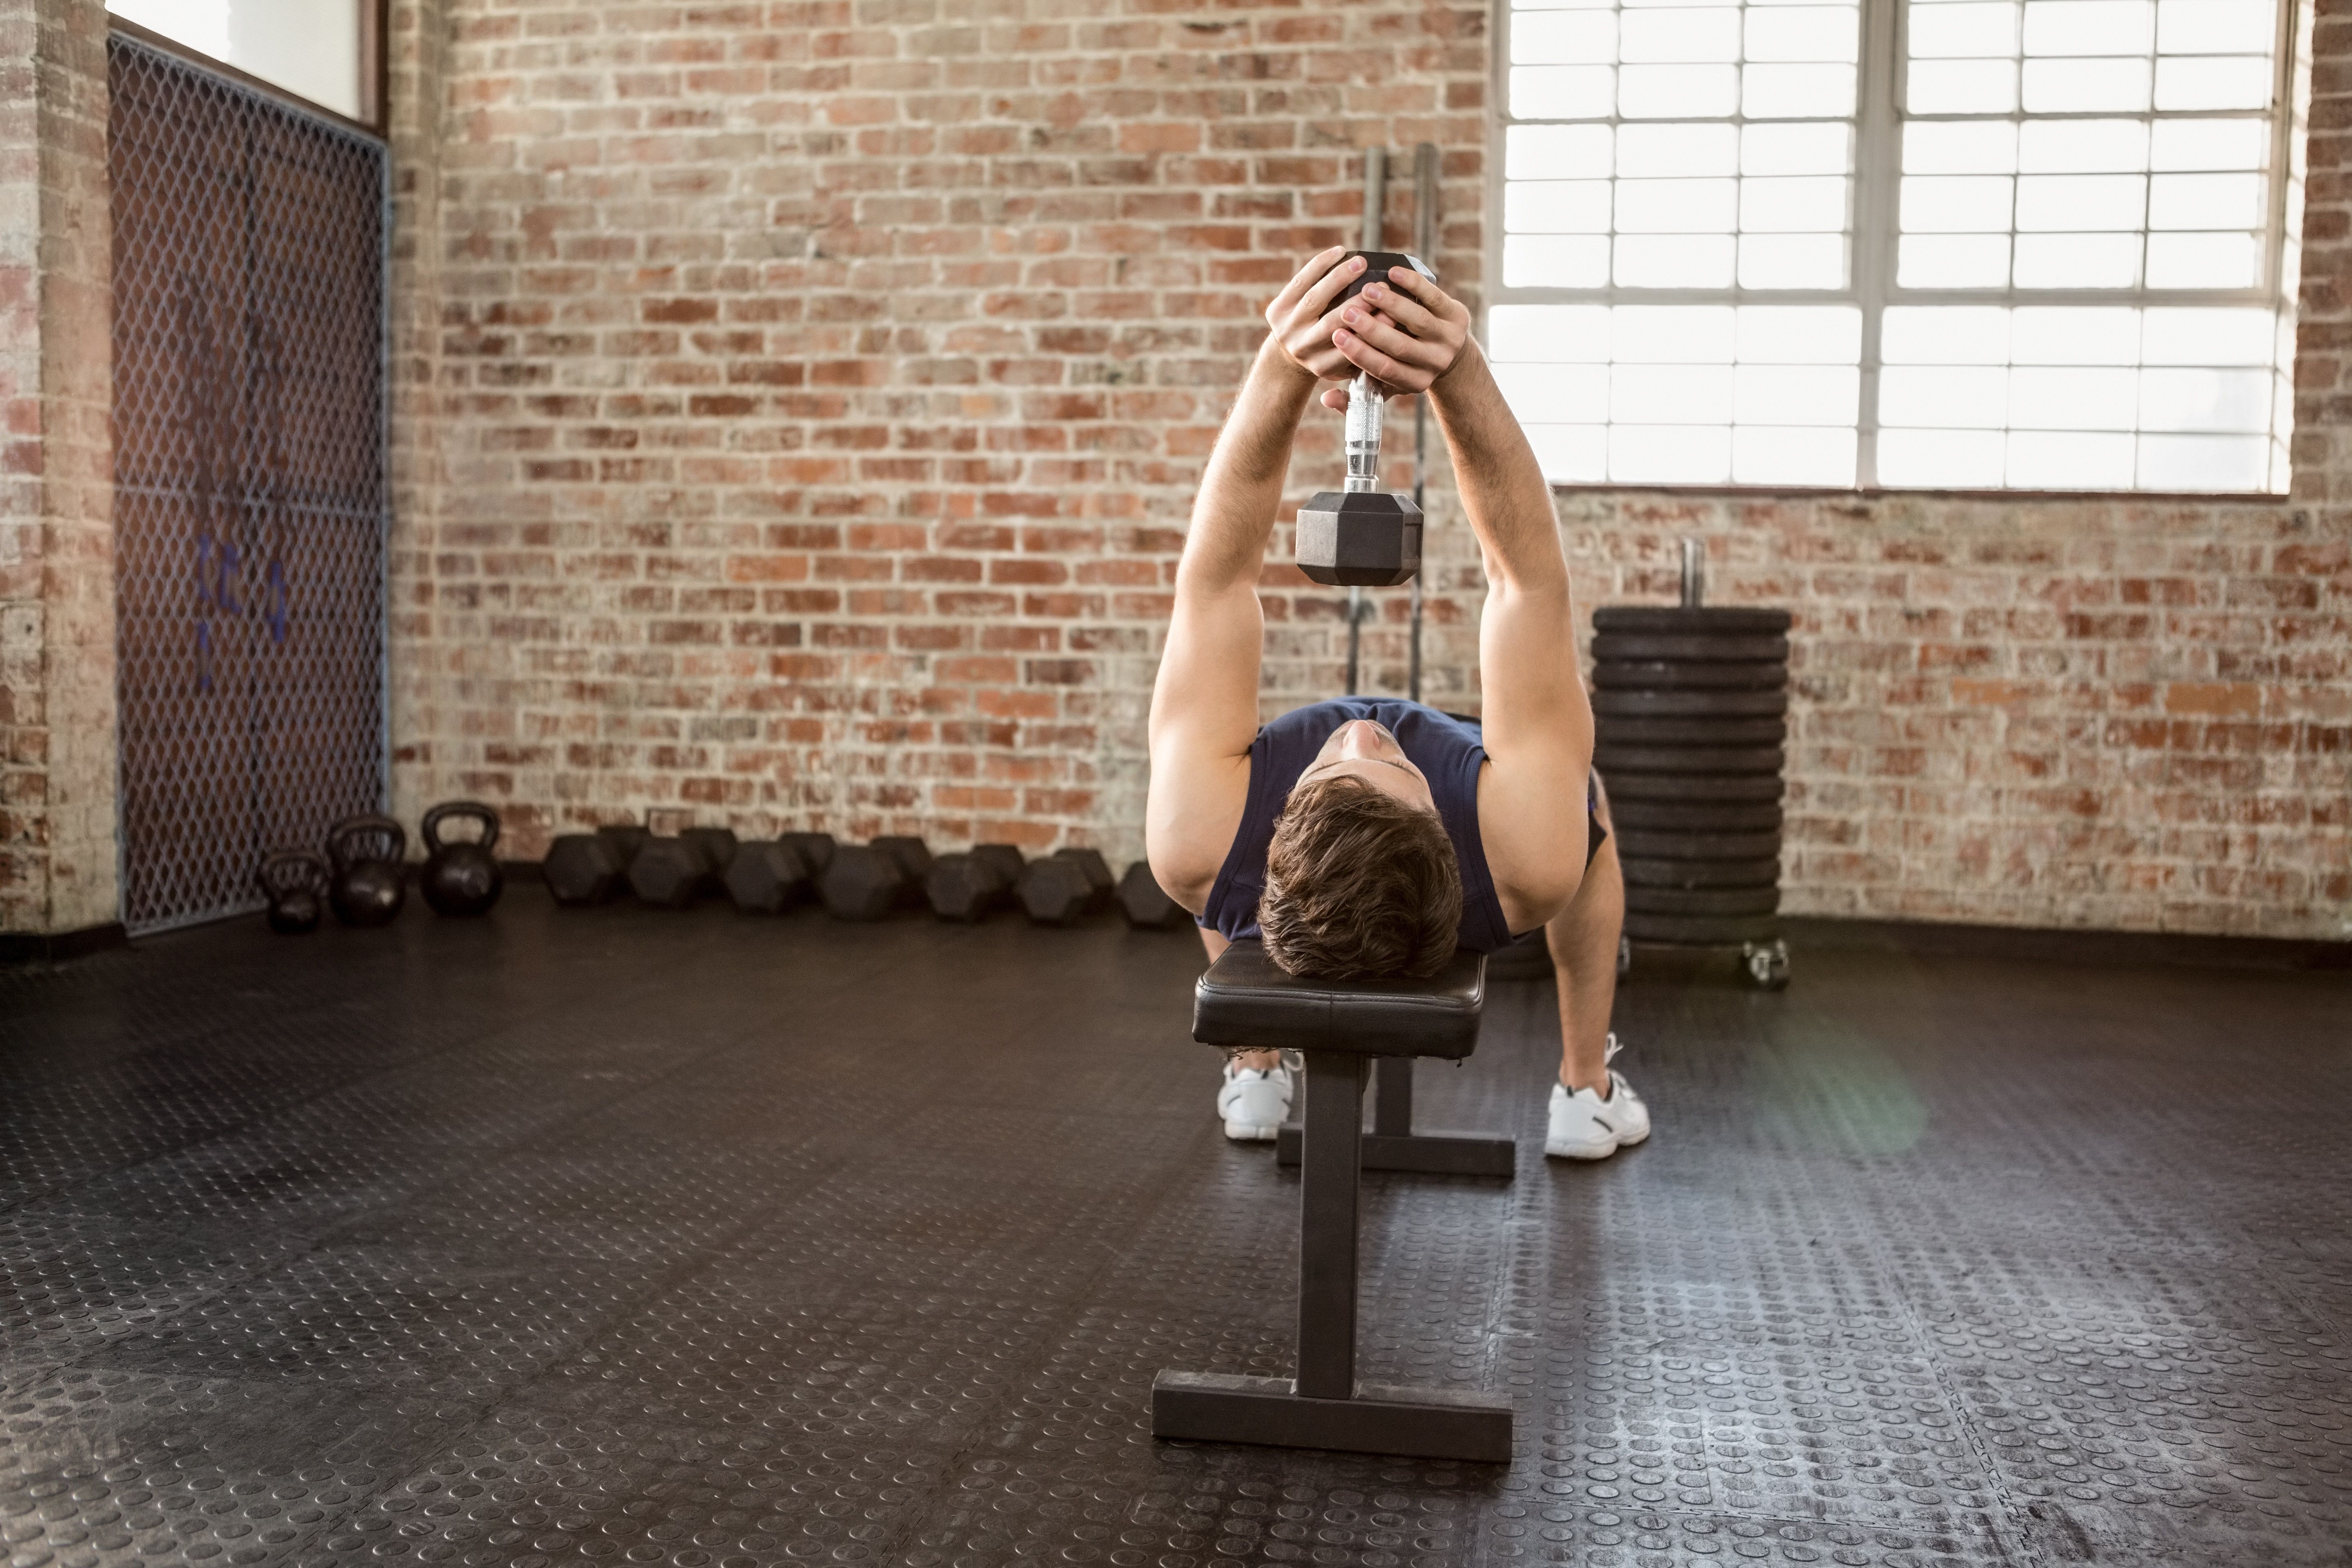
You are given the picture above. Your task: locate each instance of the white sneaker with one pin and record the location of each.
(1254, 1104)
(1586, 1127)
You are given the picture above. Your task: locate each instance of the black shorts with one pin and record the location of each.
(1595, 835)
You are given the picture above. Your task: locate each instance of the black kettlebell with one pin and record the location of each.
(368, 886)
(462, 877)
(295, 882)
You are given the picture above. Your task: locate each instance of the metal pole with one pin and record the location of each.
(1362, 397)
(1693, 571)
(1425, 237)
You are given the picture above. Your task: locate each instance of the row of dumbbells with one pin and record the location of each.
(853, 881)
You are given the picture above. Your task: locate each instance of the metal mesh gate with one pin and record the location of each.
(250, 500)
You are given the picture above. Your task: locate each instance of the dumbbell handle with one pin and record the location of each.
(1363, 435)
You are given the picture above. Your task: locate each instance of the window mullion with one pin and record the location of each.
(2281, 152)
(1499, 123)
(1877, 165)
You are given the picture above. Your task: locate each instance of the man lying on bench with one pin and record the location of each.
(1367, 835)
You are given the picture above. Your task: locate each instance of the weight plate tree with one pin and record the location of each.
(1689, 724)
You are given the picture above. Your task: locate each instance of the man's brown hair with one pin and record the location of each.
(1358, 883)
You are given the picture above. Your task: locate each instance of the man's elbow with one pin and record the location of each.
(1208, 579)
(1183, 875)
(1530, 588)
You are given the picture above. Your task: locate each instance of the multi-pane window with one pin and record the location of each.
(2042, 243)
(1683, 148)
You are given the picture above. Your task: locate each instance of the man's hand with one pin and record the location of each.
(1405, 333)
(1302, 315)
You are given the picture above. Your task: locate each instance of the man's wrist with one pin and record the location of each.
(1448, 380)
(1275, 360)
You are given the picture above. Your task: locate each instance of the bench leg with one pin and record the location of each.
(1392, 1096)
(1324, 1407)
(1422, 1423)
(1393, 1145)
(1327, 1224)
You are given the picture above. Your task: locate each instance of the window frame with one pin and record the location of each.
(375, 70)
(1873, 212)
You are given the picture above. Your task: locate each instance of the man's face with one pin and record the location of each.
(1363, 750)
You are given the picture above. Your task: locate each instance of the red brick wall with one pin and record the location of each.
(817, 400)
(798, 407)
(2130, 714)
(57, 572)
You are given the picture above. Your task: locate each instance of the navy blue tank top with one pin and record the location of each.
(1446, 748)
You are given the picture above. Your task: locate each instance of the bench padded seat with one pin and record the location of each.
(1245, 1002)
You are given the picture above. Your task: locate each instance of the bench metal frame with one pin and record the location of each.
(1324, 1407)
(1393, 1145)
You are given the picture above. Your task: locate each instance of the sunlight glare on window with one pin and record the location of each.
(2098, 397)
(2097, 202)
(1685, 394)
(2081, 276)
(1707, 148)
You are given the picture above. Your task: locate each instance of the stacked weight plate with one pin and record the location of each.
(1690, 712)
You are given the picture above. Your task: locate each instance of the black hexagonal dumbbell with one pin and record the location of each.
(766, 877)
(582, 868)
(1010, 862)
(626, 838)
(719, 846)
(815, 849)
(1104, 885)
(669, 873)
(1363, 536)
(914, 858)
(1359, 538)
(1056, 890)
(966, 887)
(861, 883)
(1146, 907)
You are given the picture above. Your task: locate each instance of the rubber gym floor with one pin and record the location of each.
(625, 1237)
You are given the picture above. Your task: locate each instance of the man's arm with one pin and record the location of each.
(1537, 723)
(1204, 704)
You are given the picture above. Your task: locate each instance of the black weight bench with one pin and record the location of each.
(1245, 1003)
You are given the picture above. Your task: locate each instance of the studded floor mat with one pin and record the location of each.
(624, 1237)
